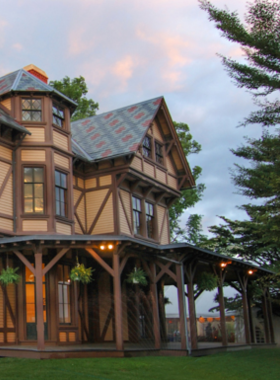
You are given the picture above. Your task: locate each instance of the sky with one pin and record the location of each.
(130, 51)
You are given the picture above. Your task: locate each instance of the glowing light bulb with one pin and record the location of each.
(102, 247)
(110, 246)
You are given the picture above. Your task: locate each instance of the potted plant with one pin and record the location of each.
(81, 273)
(9, 276)
(137, 276)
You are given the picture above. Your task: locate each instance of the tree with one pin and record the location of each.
(76, 89)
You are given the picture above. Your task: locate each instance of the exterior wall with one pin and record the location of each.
(6, 189)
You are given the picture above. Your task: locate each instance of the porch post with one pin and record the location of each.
(265, 317)
(190, 271)
(222, 309)
(118, 302)
(251, 323)
(181, 303)
(243, 280)
(270, 321)
(153, 288)
(39, 301)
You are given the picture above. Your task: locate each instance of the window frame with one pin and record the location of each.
(137, 215)
(32, 110)
(61, 188)
(159, 157)
(150, 219)
(147, 151)
(33, 183)
(69, 292)
(57, 115)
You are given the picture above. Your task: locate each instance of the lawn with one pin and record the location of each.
(256, 364)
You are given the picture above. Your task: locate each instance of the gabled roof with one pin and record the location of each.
(22, 81)
(6, 119)
(115, 133)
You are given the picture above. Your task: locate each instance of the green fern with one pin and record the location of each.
(138, 276)
(9, 276)
(81, 273)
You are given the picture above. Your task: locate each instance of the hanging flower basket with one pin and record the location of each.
(9, 276)
(138, 276)
(81, 273)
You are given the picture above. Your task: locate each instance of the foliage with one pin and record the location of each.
(76, 89)
(81, 273)
(189, 197)
(206, 281)
(9, 276)
(137, 276)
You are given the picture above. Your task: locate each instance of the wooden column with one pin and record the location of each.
(270, 320)
(181, 303)
(153, 289)
(222, 274)
(190, 272)
(118, 302)
(39, 301)
(243, 281)
(251, 323)
(265, 317)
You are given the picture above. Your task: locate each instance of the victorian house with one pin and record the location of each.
(96, 191)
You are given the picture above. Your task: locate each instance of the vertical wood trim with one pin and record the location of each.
(181, 303)
(2, 188)
(265, 317)
(191, 303)
(103, 204)
(222, 314)
(118, 302)
(125, 213)
(39, 301)
(154, 294)
(270, 321)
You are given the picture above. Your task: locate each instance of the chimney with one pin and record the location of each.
(38, 73)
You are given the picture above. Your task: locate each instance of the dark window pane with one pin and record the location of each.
(36, 116)
(28, 175)
(26, 104)
(57, 198)
(26, 116)
(63, 180)
(38, 190)
(38, 174)
(28, 191)
(36, 104)
(57, 178)
(57, 208)
(28, 205)
(39, 205)
(62, 199)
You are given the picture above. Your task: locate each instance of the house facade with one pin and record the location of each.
(97, 192)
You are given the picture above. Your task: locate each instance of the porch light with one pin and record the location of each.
(110, 246)
(223, 264)
(252, 271)
(102, 247)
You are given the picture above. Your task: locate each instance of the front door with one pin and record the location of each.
(30, 305)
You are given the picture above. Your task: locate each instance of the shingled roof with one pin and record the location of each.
(22, 81)
(115, 133)
(6, 119)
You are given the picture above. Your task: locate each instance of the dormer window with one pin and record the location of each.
(31, 109)
(159, 155)
(147, 147)
(58, 115)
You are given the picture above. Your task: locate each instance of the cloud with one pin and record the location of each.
(17, 46)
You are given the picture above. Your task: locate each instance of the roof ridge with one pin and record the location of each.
(16, 81)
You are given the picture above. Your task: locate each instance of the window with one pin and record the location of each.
(64, 294)
(147, 147)
(159, 155)
(60, 193)
(136, 206)
(33, 190)
(149, 219)
(58, 115)
(31, 109)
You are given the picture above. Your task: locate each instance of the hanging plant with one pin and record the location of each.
(9, 276)
(138, 276)
(206, 281)
(81, 273)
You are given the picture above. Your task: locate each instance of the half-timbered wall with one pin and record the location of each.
(6, 189)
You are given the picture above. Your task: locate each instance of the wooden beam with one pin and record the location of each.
(163, 271)
(39, 301)
(168, 149)
(120, 180)
(25, 261)
(2, 188)
(167, 271)
(103, 204)
(134, 185)
(118, 302)
(100, 261)
(154, 297)
(55, 260)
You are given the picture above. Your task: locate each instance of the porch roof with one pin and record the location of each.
(159, 250)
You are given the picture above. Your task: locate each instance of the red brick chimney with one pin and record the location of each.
(38, 73)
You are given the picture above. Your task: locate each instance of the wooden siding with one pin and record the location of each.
(94, 200)
(137, 163)
(105, 301)
(63, 337)
(78, 229)
(105, 181)
(105, 223)
(162, 225)
(33, 155)
(11, 293)
(81, 212)
(72, 337)
(61, 161)
(63, 229)
(169, 165)
(161, 175)
(149, 169)
(38, 135)
(157, 133)
(172, 182)
(60, 140)
(104, 165)
(90, 183)
(6, 153)
(76, 194)
(4, 168)
(35, 225)
(81, 183)
(125, 196)
(6, 224)
(6, 200)
(176, 158)
(7, 103)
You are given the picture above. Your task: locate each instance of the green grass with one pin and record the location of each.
(256, 364)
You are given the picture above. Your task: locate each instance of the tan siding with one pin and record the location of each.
(4, 168)
(33, 155)
(104, 298)
(105, 223)
(35, 225)
(104, 165)
(81, 183)
(63, 337)
(78, 229)
(162, 225)
(123, 222)
(38, 135)
(11, 292)
(6, 200)
(93, 201)
(90, 183)
(63, 229)
(81, 212)
(11, 337)
(176, 158)
(161, 176)
(165, 236)
(160, 213)
(6, 224)
(172, 182)
(137, 163)
(77, 194)
(119, 161)
(106, 180)
(61, 161)
(5, 153)
(170, 166)
(7, 103)
(72, 337)
(60, 140)
(149, 169)
(157, 133)
(1, 337)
